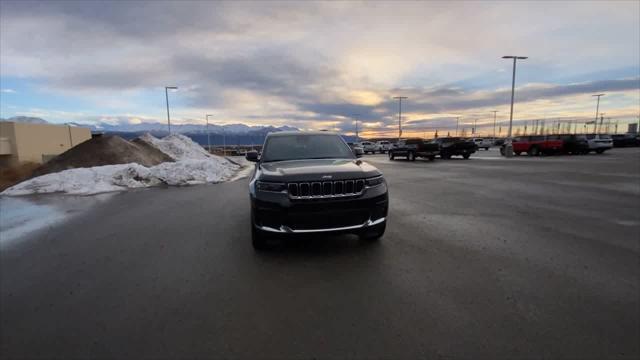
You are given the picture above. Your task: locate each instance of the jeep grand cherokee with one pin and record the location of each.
(311, 182)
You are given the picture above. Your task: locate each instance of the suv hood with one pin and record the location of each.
(316, 170)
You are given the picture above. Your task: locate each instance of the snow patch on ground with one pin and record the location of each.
(28, 214)
(193, 166)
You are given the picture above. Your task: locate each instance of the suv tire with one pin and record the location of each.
(534, 151)
(373, 233)
(259, 239)
(391, 156)
(411, 156)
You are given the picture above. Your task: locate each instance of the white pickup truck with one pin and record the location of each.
(483, 143)
(383, 146)
(368, 147)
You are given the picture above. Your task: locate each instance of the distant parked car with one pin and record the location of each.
(498, 142)
(414, 148)
(625, 140)
(483, 143)
(450, 146)
(599, 142)
(535, 145)
(383, 146)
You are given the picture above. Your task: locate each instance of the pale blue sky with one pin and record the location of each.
(313, 65)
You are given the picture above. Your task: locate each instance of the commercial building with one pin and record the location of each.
(23, 142)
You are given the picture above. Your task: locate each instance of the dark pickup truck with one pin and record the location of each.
(414, 148)
(450, 146)
(574, 144)
(625, 140)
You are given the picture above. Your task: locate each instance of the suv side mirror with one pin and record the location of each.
(252, 156)
(358, 151)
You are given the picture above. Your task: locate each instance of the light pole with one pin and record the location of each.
(457, 124)
(475, 122)
(166, 94)
(601, 121)
(208, 134)
(494, 124)
(508, 144)
(354, 116)
(597, 109)
(400, 114)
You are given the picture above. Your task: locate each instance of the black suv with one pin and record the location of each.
(311, 182)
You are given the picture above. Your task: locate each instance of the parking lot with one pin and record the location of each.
(483, 258)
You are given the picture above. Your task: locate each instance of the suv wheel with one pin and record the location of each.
(411, 156)
(466, 156)
(374, 233)
(259, 239)
(534, 151)
(391, 156)
(599, 151)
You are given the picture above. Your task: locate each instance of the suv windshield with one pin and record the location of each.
(305, 146)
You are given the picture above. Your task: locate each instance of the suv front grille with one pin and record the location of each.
(325, 189)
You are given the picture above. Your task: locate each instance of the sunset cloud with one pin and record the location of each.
(311, 64)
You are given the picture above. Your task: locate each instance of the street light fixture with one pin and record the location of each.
(354, 116)
(166, 94)
(508, 148)
(494, 124)
(597, 109)
(208, 134)
(224, 141)
(400, 114)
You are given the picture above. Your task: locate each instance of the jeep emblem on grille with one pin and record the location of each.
(327, 176)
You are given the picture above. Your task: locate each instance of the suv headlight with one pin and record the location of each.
(271, 186)
(374, 181)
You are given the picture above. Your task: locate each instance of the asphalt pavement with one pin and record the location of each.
(483, 258)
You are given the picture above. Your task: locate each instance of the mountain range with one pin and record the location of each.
(26, 119)
(240, 134)
(160, 127)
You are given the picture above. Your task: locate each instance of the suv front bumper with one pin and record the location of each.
(283, 229)
(278, 213)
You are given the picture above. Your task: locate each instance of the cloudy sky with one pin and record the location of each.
(315, 65)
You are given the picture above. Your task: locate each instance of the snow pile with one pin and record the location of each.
(193, 166)
(178, 147)
(80, 181)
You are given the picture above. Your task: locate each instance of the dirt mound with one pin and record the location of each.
(104, 150)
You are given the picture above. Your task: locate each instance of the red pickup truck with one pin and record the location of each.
(535, 145)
